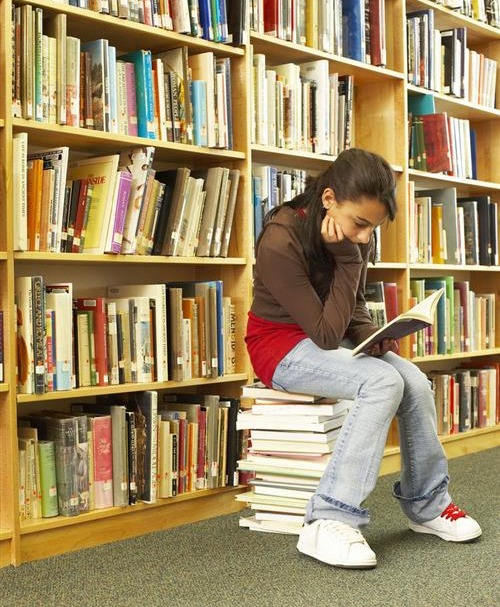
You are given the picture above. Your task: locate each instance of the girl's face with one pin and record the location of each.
(356, 219)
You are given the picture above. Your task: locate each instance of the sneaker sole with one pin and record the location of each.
(444, 536)
(361, 565)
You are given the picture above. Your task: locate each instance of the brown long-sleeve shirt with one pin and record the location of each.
(329, 306)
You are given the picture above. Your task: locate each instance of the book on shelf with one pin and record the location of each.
(59, 297)
(158, 294)
(101, 173)
(142, 60)
(420, 316)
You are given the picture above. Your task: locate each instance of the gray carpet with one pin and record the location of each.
(216, 564)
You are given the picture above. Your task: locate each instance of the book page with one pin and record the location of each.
(418, 317)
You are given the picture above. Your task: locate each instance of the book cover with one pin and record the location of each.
(121, 198)
(97, 306)
(59, 297)
(101, 173)
(137, 162)
(142, 60)
(97, 51)
(158, 292)
(63, 431)
(48, 478)
(24, 337)
(103, 460)
(148, 404)
(418, 317)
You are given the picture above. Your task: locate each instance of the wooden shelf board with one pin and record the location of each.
(459, 108)
(4, 387)
(424, 179)
(426, 267)
(75, 258)
(121, 388)
(446, 18)
(128, 35)
(49, 539)
(282, 51)
(87, 141)
(456, 356)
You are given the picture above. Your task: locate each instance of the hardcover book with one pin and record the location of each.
(418, 317)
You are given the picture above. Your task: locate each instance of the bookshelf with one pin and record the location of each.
(380, 124)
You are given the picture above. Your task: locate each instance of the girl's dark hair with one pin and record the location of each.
(353, 175)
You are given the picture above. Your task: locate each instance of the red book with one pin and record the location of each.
(81, 213)
(97, 305)
(103, 461)
(437, 142)
(271, 18)
(391, 300)
(378, 51)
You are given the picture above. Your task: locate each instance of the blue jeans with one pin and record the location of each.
(380, 388)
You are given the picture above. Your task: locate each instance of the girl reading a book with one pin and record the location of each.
(308, 312)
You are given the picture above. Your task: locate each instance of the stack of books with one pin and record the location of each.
(290, 440)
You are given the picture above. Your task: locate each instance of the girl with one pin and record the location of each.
(308, 310)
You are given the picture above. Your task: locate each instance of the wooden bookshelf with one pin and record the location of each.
(380, 116)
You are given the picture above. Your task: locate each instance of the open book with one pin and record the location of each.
(420, 316)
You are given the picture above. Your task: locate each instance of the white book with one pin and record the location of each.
(20, 190)
(24, 314)
(268, 526)
(282, 435)
(203, 68)
(318, 72)
(59, 297)
(259, 390)
(157, 292)
(249, 421)
(322, 407)
(290, 446)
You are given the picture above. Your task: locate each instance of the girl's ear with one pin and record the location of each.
(328, 198)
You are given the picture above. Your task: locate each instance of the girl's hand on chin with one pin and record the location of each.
(331, 230)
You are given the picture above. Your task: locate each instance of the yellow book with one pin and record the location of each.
(101, 172)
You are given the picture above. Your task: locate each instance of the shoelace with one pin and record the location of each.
(453, 512)
(346, 532)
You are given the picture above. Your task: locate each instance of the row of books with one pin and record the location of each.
(119, 204)
(465, 319)
(440, 143)
(301, 106)
(120, 450)
(485, 11)
(272, 186)
(466, 398)
(452, 229)
(288, 442)
(348, 28)
(169, 96)
(441, 61)
(199, 18)
(137, 333)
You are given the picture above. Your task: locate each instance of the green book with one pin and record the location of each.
(48, 479)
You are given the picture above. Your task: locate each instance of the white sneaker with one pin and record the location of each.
(337, 544)
(452, 525)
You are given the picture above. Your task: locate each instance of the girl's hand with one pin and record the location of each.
(386, 345)
(331, 230)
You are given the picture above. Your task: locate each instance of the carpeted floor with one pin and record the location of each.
(216, 564)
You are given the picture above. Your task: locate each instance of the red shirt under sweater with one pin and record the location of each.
(268, 342)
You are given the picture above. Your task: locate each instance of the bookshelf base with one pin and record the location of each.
(5, 551)
(44, 539)
(50, 537)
